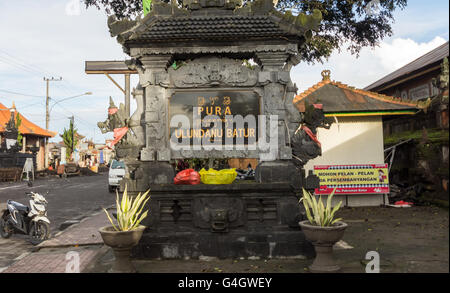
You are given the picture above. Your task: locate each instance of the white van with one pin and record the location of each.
(116, 173)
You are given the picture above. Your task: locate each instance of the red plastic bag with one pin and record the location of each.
(402, 203)
(187, 177)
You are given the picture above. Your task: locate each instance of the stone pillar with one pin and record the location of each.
(24, 144)
(275, 80)
(154, 80)
(137, 120)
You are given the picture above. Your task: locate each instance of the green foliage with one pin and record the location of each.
(19, 134)
(146, 6)
(433, 136)
(67, 136)
(347, 24)
(317, 213)
(129, 211)
(247, 64)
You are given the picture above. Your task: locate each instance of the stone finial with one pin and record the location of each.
(326, 75)
(111, 103)
(13, 107)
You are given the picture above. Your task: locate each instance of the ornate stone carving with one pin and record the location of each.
(10, 143)
(305, 145)
(186, 48)
(220, 214)
(130, 144)
(213, 72)
(138, 117)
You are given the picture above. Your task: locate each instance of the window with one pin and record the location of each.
(117, 165)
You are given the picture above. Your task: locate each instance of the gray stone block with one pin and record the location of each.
(160, 173)
(163, 155)
(147, 154)
(285, 153)
(151, 116)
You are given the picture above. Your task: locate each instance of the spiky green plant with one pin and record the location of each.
(129, 211)
(319, 214)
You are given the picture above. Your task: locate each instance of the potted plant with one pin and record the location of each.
(123, 237)
(322, 230)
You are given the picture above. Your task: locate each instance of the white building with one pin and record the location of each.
(356, 136)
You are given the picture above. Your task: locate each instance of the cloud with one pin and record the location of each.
(43, 42)
(46, 41)
(422, 19)
(371, 65)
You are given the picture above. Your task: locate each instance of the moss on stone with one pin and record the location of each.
(435, 136)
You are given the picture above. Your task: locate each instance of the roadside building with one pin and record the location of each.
(420, 142)
(34, 137)
(356, 136)
(416, 81)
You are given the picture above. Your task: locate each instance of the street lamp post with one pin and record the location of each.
(65, 99)
(47, 120)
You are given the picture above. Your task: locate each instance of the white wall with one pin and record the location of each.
(354, 140)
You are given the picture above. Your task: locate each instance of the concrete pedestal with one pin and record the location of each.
(223, 221)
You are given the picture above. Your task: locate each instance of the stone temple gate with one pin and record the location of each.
(191, 60)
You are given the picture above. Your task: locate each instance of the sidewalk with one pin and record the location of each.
(50, 256)
(412, 240)
(408, 240)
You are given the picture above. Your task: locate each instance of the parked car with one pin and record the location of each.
(69, 169)
(116, 173)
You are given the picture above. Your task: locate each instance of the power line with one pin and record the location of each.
(21, 94)
(34, 69)
(17, 65)
(23, 63)
(76, 116)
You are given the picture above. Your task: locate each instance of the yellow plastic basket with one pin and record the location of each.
(226, 176)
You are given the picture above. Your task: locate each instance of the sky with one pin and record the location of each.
(54, 38)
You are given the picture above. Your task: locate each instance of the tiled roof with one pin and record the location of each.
(433, 57)
(257, 20)
(212, 27)
(26, 127)
(337, 97)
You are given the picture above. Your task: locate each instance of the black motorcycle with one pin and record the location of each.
(21, 219)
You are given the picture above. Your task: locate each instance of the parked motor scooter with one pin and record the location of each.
(21, 219)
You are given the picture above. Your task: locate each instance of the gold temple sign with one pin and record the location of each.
(218, 110)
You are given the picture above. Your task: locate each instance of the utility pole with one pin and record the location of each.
(127, 94)
(71, 126)
(47, 98)
(47, 117)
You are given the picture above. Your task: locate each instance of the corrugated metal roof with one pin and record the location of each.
(433, 57)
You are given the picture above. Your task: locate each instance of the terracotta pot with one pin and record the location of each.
(323, 239)
(121, 242)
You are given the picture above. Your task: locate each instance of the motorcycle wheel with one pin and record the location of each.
(4, 231)
(39, 232)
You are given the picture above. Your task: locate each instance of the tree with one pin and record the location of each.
(67, 137)
(353, 24)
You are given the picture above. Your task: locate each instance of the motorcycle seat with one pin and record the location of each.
(20, 207)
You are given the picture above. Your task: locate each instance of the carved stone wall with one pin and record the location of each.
(269, 79)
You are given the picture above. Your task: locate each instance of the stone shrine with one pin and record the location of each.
(220, 63)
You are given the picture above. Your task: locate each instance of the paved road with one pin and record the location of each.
(68, 199)
(73, 198)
